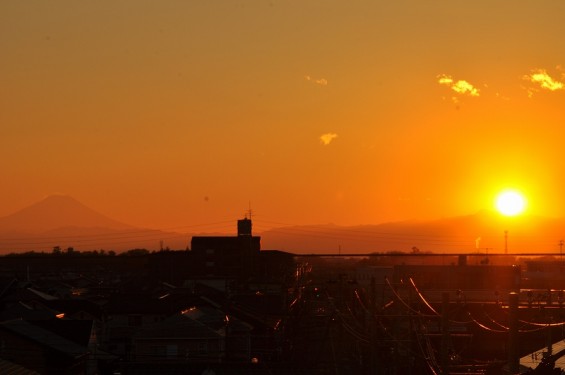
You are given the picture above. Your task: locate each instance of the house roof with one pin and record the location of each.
(74, 306)
(127, 303)
(45, 296)
(196, 322)
(17, 291)
(44, 337)
(22, 310)
(177, 327)
(215, 318)
(77, 331)
(7, 367)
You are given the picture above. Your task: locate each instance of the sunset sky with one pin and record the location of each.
(171, 114)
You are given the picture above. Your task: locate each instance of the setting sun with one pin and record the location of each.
(510, 203)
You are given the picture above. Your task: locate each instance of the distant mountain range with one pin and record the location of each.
(60, 220)
(478, 233)
(63, 221)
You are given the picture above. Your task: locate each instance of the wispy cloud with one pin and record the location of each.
(544, 80)
(320, 81)
(459, 86)
(327, 138)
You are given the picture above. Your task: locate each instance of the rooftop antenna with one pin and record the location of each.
(249, 212)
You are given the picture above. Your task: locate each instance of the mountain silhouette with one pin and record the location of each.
(62, 221)
(482, 232)
(55, 212)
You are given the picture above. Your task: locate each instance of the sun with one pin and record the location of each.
(510, 203)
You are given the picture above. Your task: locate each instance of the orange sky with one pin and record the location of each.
(170, 114)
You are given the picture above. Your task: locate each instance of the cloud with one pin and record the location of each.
(321, 81)
(460, 86)
(544, 80)
(327, 138)
(445, 80)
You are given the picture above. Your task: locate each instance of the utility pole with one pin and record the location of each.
(444, 351)
(373, 350)
(513, 349)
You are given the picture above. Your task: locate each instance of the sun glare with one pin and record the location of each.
(510, 203)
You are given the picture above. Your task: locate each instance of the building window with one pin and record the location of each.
(210, 251)
(210, 264)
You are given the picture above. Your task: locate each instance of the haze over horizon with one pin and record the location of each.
(63, 221)
(175, 114)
